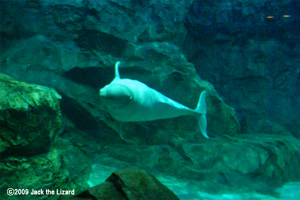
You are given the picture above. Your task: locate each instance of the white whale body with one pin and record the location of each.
(132, 101)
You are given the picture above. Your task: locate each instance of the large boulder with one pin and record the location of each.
(30, 120)
(129, 184)
(30, 117)
(32, 154)
(248, 163)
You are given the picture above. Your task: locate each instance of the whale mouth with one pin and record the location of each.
(114, 91)
(102, 93)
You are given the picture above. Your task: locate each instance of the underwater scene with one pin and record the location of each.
(150, 99)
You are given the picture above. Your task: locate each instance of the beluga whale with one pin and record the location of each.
(128, 100)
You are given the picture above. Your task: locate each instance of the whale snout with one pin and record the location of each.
(102, 92)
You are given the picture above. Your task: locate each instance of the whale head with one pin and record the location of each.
(115, 96)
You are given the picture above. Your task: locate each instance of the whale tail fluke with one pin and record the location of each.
(201, 109)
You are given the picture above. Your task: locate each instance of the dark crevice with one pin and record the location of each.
(93, 76)
(100, 41)
(86, 195)
(297, 87)
(28, 150)
(82, 119)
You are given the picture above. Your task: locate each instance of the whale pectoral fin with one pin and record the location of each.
(202, 125)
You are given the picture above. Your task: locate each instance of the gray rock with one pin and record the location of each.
(259, 80)
(32, 152)
(133, 21)
(231, 164)
(30, 120)
(248, 50)
(24, 107)
(130, 184)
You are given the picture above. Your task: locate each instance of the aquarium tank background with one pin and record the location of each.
(58, 141)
